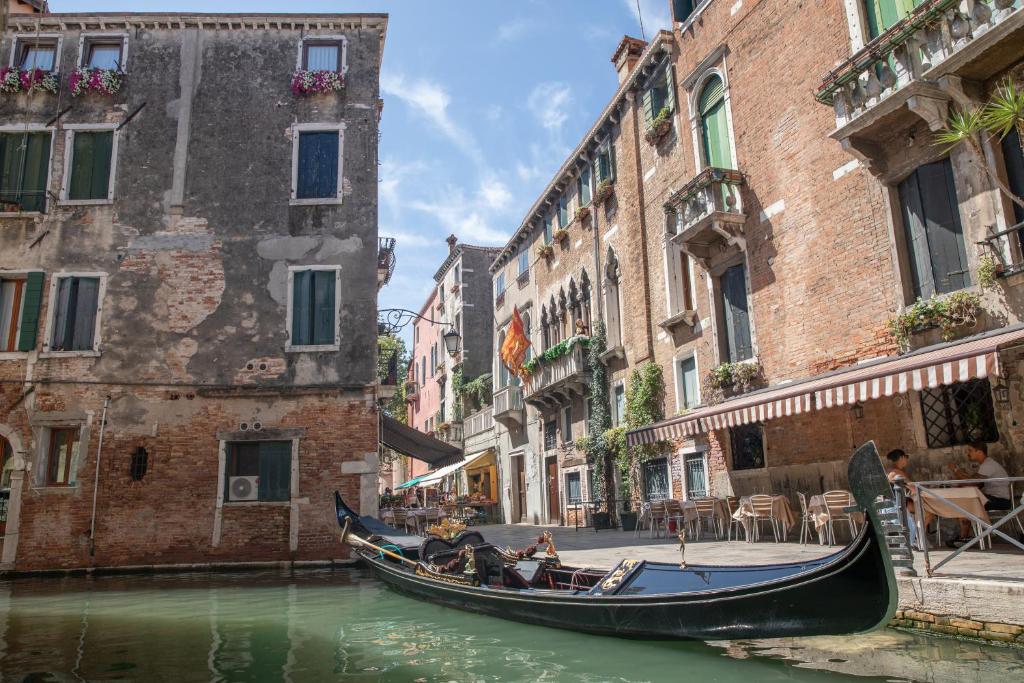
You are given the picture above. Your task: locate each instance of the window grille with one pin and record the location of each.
(747, 446)
(959, 413)
(139, 464)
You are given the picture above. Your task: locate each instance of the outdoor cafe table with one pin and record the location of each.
(781, 510)
(819, 513)
(387, 515)
(720, 515)
(970, 498)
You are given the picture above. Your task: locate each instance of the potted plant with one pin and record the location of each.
(14, 80)
(603, 192)
(628, 517)
(545, 251)
(560, 235)
(583, 213)
(659, 127)
(85, 80)
(316, 82)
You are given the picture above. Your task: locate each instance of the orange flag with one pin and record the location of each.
(513, 351)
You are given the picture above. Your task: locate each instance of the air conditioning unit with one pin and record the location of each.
(243, 488)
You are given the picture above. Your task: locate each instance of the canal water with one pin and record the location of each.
(342, 625)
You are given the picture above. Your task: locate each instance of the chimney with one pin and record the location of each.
(452, 240)
(627, 54)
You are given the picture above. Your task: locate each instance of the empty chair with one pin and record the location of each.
(763, 508)
(732, 504)
(707, 515)
(659, 517)
(400, 519)
(806, 519)
(836, 503)
(644, 517)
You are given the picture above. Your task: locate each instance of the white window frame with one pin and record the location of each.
(297, 130)
(51, 312)
(292, 348)
(340, 38)
(617, 419)
(44, 436)
(32, 128)
(85, 38)
(21, 38)
(17, 275)
(683, 454)
(674, 258)
(676, 362)
(69, 150)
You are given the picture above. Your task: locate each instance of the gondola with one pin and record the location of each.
(850, 591)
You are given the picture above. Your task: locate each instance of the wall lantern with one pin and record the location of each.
(858, 411)
(451, 341)
(1001, 392)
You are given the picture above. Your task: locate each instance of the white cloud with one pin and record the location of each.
(512, 30)
(549, 102)
(431, 101)
(495, 194)
(467, 217)
(494, 112)
(653, 13)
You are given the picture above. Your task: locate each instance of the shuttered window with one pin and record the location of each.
(682, 9)
(660, 95)
(935, 237)
(714, 125)
(24, 166)
(604, 165)
(583, 186)
(882, 14)
(689, 396)
(269, 461)
(12, 293)
(1013, 157)
(74, 317)
(736, 314)
(318, 165)
(313, 308)
(91, 158)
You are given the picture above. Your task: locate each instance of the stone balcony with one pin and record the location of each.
(938, 55)
(478, 422)
(508, 406)
(557, 381)
(708, 213)
(453, 434)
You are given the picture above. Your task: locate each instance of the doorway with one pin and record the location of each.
(554, 507)
(519, 489)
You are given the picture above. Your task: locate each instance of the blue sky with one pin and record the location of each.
(483, 99)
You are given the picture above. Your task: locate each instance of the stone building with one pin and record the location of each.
(188, 263)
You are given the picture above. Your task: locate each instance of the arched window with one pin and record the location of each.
(613, 311)
(714, 125)
(575, 314)
(585, 301)
(545, 329)
(502, 370)
(6, 460)
(564, 325)
(553, 321)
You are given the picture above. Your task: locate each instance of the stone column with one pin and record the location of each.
(18, 469)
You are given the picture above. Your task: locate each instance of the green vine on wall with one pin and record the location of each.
(645, 404)
(950, 313)
(596, 445)
(458, 386)
(478, 391)
(557, 351)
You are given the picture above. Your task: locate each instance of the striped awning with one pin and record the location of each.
(934, 366)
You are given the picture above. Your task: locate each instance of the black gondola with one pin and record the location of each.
(851, 591)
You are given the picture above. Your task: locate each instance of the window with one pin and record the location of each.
(499, 285)
(573, 489)
(660, 95)
(269, 461)
(551, 435)
(747, 446)
(689, 394)
(604, 165)
(524, 263)
(618, 404)
(563, 212)
(1013, 157)
(682, 9)
(503, 373)
(656, 480)
(103, 52)
(528, 333)
(735, 314)
(139, 464)
(613, 307)
(715, 134)
(959, 413)
(696, 476)
(583, 186)
(75, 314)
(32, 53)
(433, 360)
(549, 233)
(440, 294)
(423, 371)
(88, 166)
(935, 237)
(6, 460)
(314, 308)
(24, 171)
(20, 298)
(679, 267)
(62, 457)
(323, 55)
(316, 165)
(567, 424)
(882, 14)
(457, 275)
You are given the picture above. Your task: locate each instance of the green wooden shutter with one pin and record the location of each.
(32, 298)
(302, 305)
(1013, 156)
(90, 165)
(714, 125)
(948, 254)
(736, 313)
(882, 14)
(275, 470)
(648, 106)
(323, 307)
(611, 160)
(35, 171)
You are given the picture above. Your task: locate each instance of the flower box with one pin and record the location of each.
(545, 251)
(455, 288)
(659, 128)
(316, 82)
(19, 80)
(84, 81)
(583, 213)
(560, 235)
(603, 192)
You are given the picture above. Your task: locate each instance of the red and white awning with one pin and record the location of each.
(927, 368)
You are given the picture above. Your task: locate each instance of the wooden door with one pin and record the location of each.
(554, 508)
(519, 477)
(736, 314)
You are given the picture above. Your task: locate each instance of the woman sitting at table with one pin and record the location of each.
(898, 462)
(997, 492)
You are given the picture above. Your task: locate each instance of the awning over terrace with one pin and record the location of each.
(407, 441)
(930, 367)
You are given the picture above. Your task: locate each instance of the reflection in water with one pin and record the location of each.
(342, 625)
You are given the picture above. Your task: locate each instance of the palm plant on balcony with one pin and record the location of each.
(997, 118)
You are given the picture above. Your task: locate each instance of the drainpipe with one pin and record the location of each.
(96, 479)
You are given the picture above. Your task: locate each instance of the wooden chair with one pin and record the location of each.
(400, 519)
(835, 504)
(732, 504)
(674, 510)
(644, 515)
(659, 517)
(764, 511)
(706, 512)
(806, 519)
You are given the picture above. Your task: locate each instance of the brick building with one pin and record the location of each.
(187, 370)
(752, 228)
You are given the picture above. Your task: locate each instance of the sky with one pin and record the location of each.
(483, 100)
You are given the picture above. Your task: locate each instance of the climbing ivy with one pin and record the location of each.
(596, 445)
(645, 403)
(479, 390)
(458, 386)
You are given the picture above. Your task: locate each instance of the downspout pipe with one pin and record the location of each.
(96, 478)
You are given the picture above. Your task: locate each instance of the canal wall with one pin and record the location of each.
(985, 609)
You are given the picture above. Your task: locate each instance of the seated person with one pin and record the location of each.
(898, 462)
(997, 492)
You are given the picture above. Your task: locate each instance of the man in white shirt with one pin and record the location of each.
(997, 492)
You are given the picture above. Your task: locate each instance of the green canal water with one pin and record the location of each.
(342, 625)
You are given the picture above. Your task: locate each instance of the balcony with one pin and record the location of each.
(708, 214)
(385, 260)
(412, 389)
(556, 382)
(479, 422)
(940, 54)
(508, 406)
(451, 433)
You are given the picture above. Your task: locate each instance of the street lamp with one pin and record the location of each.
(392, 320)
(451, 341)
